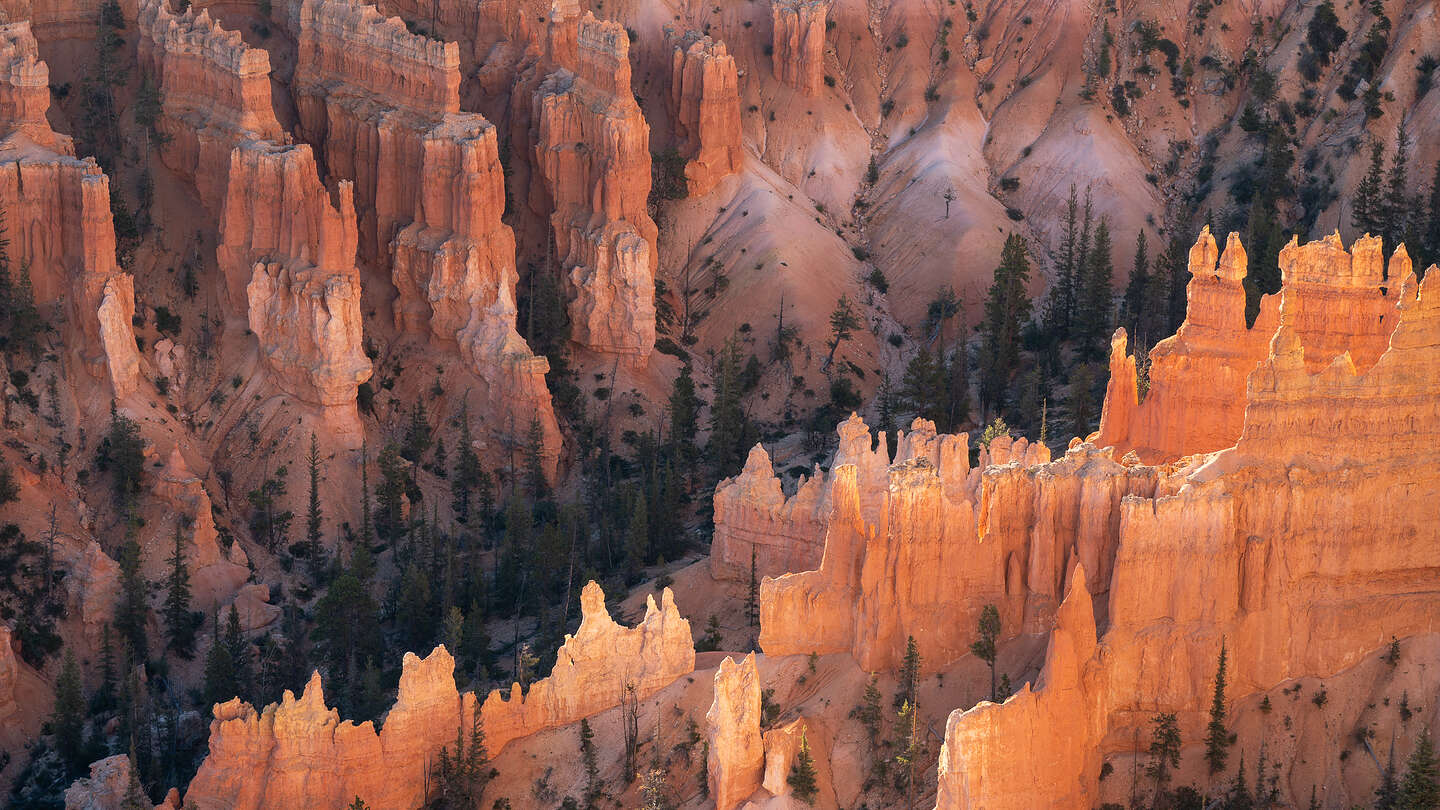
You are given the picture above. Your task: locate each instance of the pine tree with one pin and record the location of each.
(910, 749)
(418, 437)
(467, 472)
(594, 788)
(390, 524)
(752, 594)
(909, 674)
(1366, 207)
(366, 535)
(133, 613)
(957, 392)
(684, 415)
(1094, 310)
(1387, 793)
(67, 723)
(843, 323)
(314, 516)
(1137, 289)
(535, 482)
(179, 621)
(1164, 752)
(730, 430)
(1432, 227)
(1006, 309)
(413, 611)
(1217, 737)
(239, 651)
(1060, 307)
(923, 386)
(1420, 789)
(1396, 203)
(984, 647)
(802, 778)
(220, 684)
(345, 626)
(104, 697)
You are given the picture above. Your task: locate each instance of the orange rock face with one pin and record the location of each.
(798, 54)
(593, 151)
(287, 250)
(736, 763)
(298, 753)
(58, 220)
(454, 269)
(1292, 553)
(215, 94)
(367, 91)
(704, 104)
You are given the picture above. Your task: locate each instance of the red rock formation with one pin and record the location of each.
(215, 94)
(1197, 377)
(593, 151)
(107, 786)
(25, 89)
(752, 514)
(454, 269)
(367, 91)
(704, 103)
(1292, 552)
(736, 762)
(58, 220)
(216, 575)
(287, 250)
(298, 752)
(781, 747)
(798, 45)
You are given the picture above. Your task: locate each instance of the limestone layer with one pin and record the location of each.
(704, 104)
(298, 753)
(1287, 546)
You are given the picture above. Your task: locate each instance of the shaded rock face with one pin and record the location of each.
(736, 762)
(704, 104)
(215, 94)
(798, 55)
(367, 91)
(1338, 301)
(9, 676)
(287, 251)
(58, 221)
(298, 753)
(454, 270)
(592, 148)
(1293, 554)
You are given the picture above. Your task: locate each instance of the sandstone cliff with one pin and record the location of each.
(454, 270)
(299, 753)
(704, 105)
(736, 763)
(287, 252)
(798, 43)
(215, 94)
(1290, 544)
(25, 89)
(592, 148)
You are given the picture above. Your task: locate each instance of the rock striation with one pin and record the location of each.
(287, 252)
(592, 148)
(215, 94)
(1293, 555)
(736, 763)
(704, 105)
(798, 44)
(57, 212)
(299, 753)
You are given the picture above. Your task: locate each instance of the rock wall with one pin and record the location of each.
(798, 44)
(454, 270)
(367, 92)
(704, 104)
(298, 752)
(592, 147)
(287, 251)
(215, 94)
(57, 218)
(1294, 554)
(736, 763)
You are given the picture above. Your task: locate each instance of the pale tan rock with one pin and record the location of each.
(309, 327)
(215, 575)
(25, 89)
(104, 789)
(732, 728)
(798, 54)
(253, 608)
(299, 753)
(781, 747)
(704, 104)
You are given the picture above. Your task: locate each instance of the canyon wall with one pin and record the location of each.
(287, 253)
(58, 221)
(1300, 553)
(592, 147)
(215, 94)
(736, 762)
(704, 105)
(299, 753)
(454, 271)
(798, 43)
